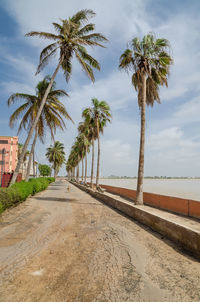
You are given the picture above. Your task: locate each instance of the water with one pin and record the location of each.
(184, 188)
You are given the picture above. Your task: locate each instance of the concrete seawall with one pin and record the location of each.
(177, 205)
(181, 232)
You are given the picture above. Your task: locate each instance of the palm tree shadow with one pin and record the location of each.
(55, 199)
(56, 185)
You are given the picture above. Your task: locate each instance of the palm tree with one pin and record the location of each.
(56, 155)
(149, 60)
(76, 155)
(73, 35)
(20, 147)
(92, 136)
(100, 114)
(51, 117)
(80, 141)
(84, 135)
(72, 162)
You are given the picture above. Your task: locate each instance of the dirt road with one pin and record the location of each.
(66, 246)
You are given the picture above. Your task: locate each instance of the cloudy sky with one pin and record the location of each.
(172, 127)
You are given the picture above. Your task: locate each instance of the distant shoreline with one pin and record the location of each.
(149, 177)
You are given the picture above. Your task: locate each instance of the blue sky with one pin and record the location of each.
(172, 128)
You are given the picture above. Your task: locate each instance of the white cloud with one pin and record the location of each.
(14, 87)
(170, 148)
(189, 111)
(117, 156)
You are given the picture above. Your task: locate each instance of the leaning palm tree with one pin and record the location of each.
(149, 60)
(52, 116)
(73, 35)
(56, 155)
(20, 147)
(100, 114)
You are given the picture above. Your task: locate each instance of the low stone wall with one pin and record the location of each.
(189, 239)
(173, 204)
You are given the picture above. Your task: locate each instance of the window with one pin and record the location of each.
(3, 141)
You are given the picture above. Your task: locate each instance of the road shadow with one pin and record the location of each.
(54, 199)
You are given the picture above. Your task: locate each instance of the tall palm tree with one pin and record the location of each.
(51, 117)
(72, 162)
(92, 136)
(56, 155)
(73, 35)
(80, 141)
(76, 155)
(84, 136)
(100, 114)
(149, 60)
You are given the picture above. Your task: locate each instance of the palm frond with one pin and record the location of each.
(47, 50)
(57, 27)
(82, 16)
(41, 34)
(87, 28)
(88, 70)
(86, 57)
(58, 93)
(67, 68)
(152, 92)
(17, 114)
(20, 96)
(95, 37)
(45, 61)
(126, 60)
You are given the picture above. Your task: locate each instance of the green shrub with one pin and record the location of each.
(19, 191)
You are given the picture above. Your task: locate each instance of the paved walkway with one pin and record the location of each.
(66, 246)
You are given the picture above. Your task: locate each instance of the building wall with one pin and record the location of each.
(10, 144)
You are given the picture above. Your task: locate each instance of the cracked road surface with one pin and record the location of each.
(62, 246)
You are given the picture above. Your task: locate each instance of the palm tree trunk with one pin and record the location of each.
(92, 166)
(77, 175)
(82, 168)
(14, 177)
(85, 165)
(54, 169)
(139, 195)
(30, 156)
(98, 154)
(22, 169)
(34, 162)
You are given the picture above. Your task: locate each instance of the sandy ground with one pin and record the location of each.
(66, 246)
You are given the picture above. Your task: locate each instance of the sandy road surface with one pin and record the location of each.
(66, 246)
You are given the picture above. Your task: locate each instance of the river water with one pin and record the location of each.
(184, 188)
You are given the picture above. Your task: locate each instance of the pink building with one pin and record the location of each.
(8, 153)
